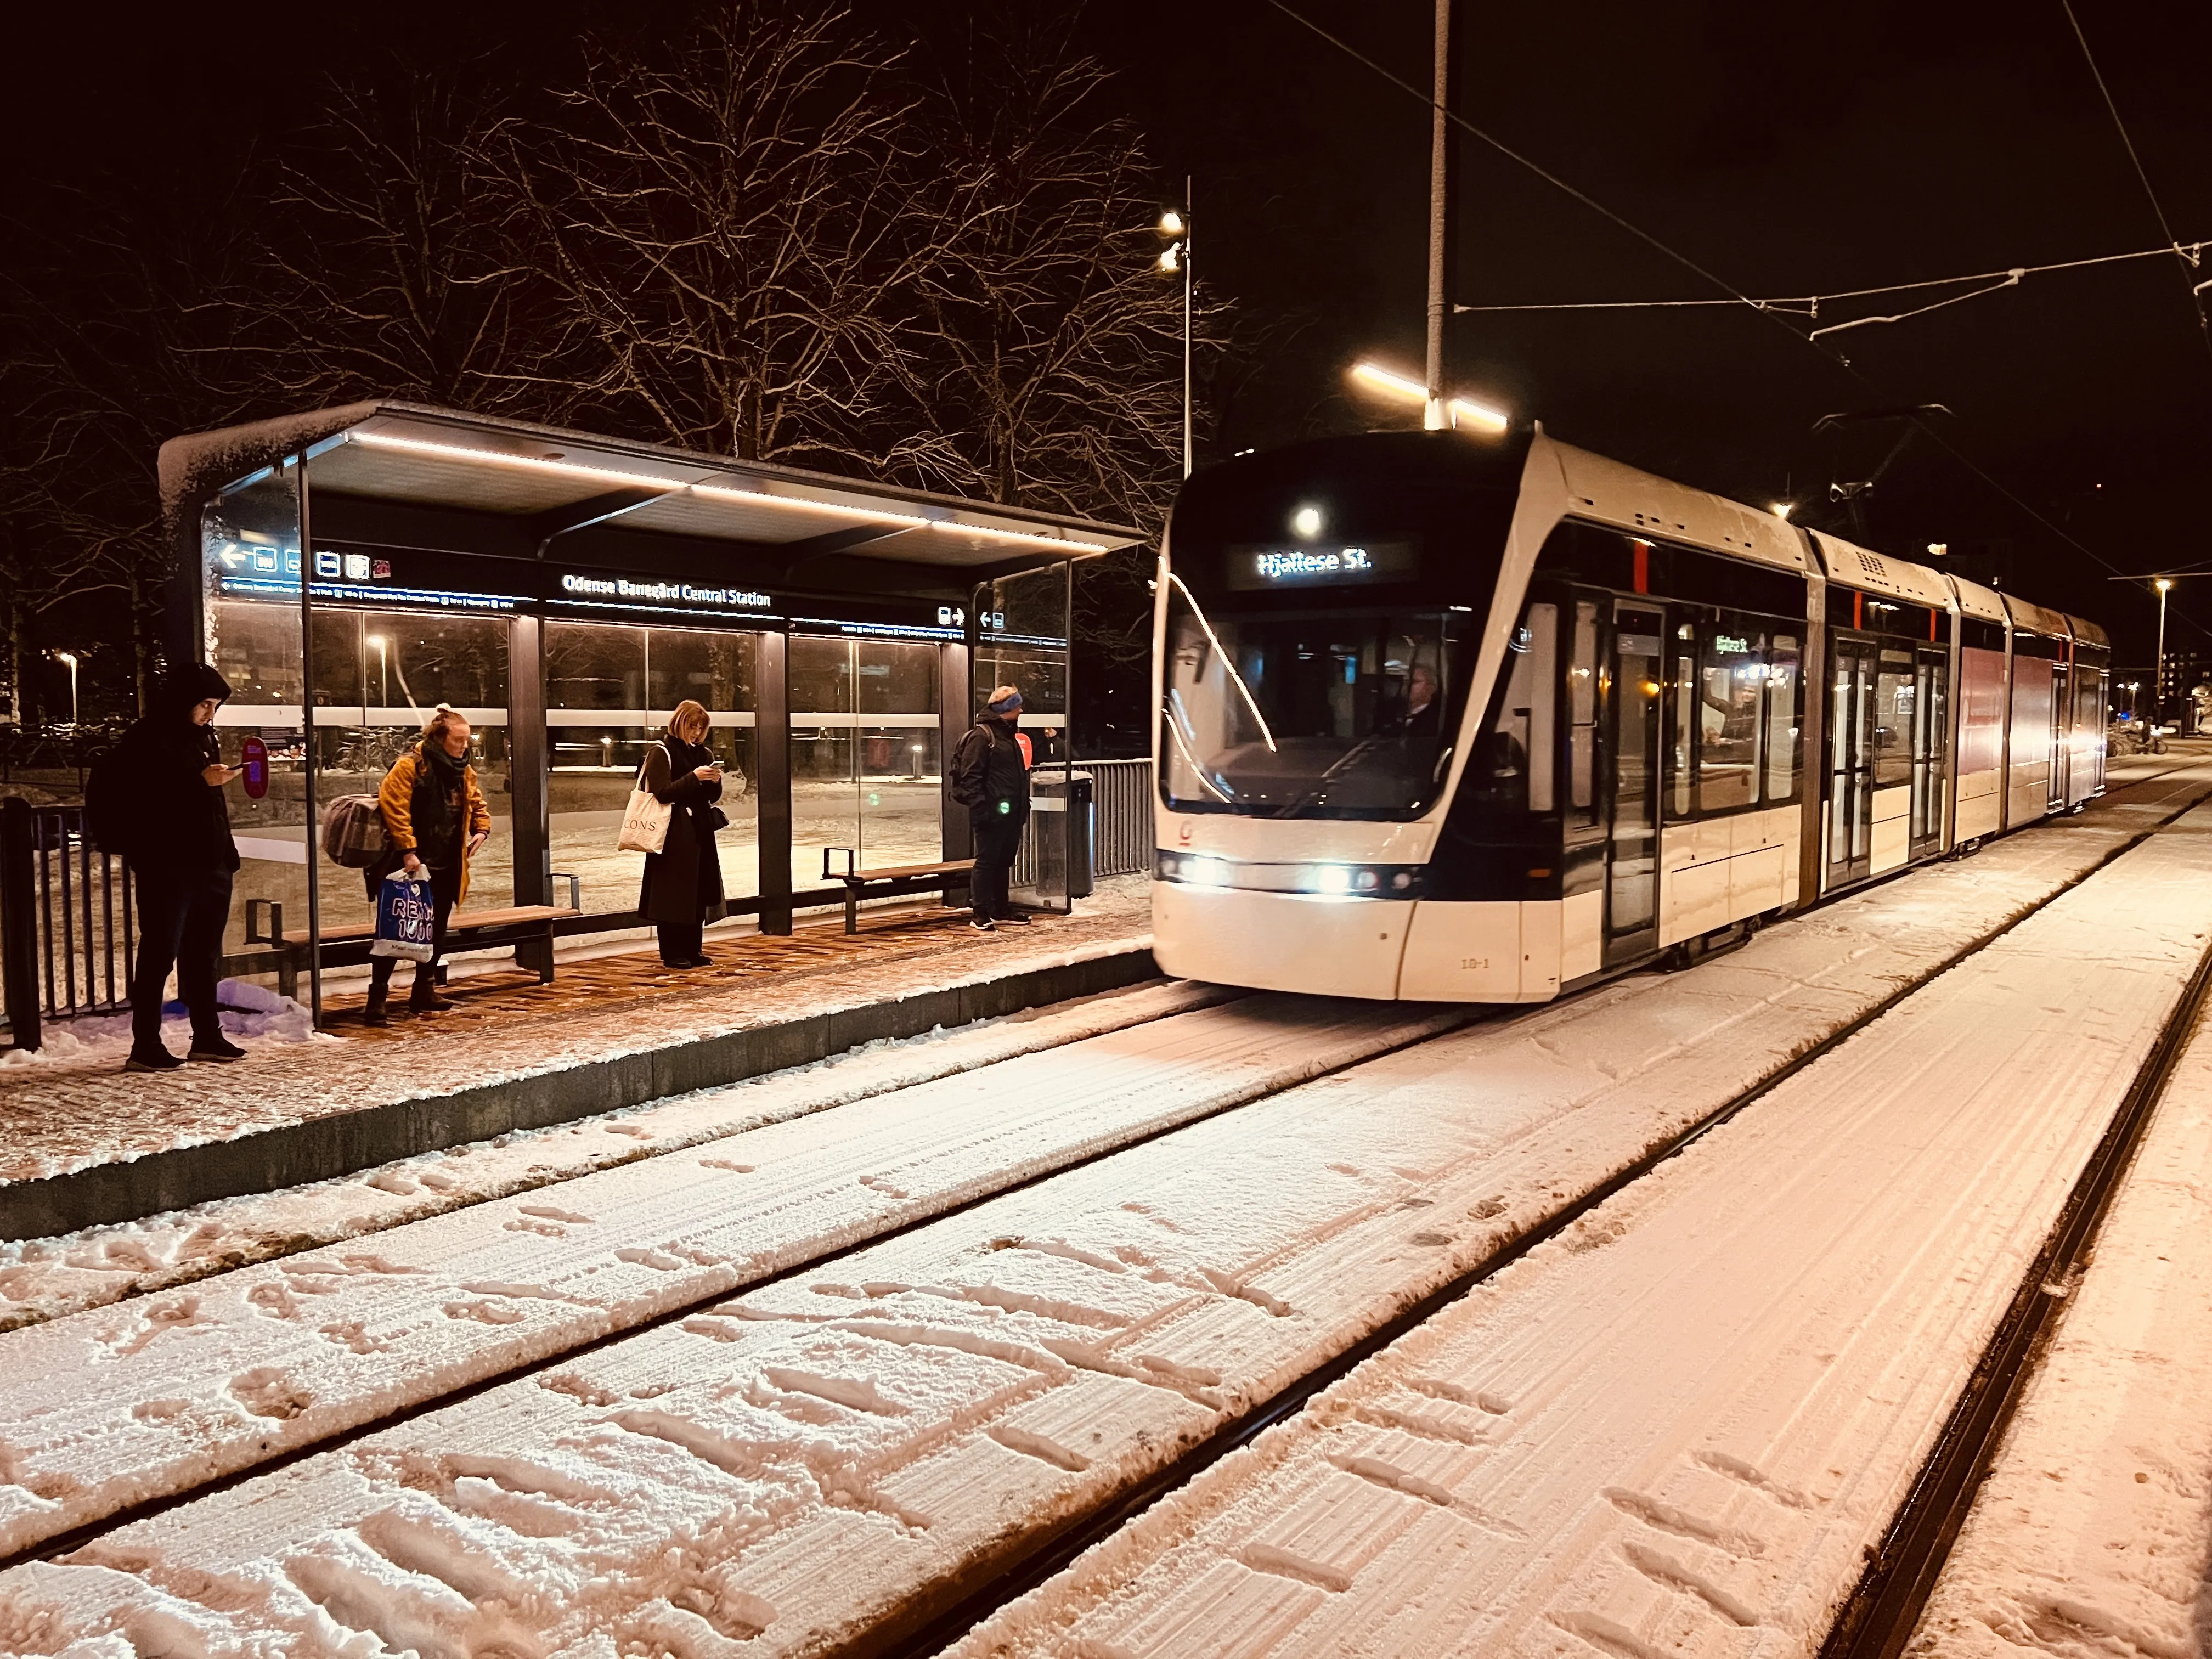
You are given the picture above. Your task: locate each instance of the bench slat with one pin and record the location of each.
(898, 872)
(462, 921)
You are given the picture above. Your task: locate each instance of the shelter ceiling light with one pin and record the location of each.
(726, 493)
(524, 462)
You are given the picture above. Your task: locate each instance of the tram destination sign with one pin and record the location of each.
(1257, 566)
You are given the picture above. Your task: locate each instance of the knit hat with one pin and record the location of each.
(1006, 700)
(194, 683)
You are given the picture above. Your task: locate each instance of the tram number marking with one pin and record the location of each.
(1474, 964)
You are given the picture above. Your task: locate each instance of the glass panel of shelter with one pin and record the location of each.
(610, 688)
(867, 765)
(251, 562)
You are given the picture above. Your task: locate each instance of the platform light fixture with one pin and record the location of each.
(1462, 412)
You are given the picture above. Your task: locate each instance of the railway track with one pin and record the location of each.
(1015, 1572)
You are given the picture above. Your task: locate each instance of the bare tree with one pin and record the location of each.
(391, 265)
(733, 228)
(1050, 346)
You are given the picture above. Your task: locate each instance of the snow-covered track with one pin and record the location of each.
(1880, 1619)
(1676, 1430)
(845, 1453)
(158, 1397)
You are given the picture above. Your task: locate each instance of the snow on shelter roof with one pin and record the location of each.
(412, 453)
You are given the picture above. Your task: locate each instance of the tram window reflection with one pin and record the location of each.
(1781, 721)
(1731, 680)
(1512, 764)
(1893, 720)
(1581, 715)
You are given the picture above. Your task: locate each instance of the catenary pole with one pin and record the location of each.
(1439, 150)
(1186, 291)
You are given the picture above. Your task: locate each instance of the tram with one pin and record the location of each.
(1450, 720)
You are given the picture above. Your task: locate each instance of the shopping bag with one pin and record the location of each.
(406, 919)
(645, 820)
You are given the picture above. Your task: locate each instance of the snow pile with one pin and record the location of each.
(249, 1010)
(836, 1452)
(2093, 1534)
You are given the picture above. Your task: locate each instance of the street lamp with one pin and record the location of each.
(2164, 584)
(1174, 260)
(70, 658)
(1458, 411)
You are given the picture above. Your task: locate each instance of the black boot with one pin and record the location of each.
(374, 1014)
(424, 998)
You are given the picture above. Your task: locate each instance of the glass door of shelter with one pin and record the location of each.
(1931, 715)
(1022, 641)
(1850, 761)
(1632, 904)
(867, 773)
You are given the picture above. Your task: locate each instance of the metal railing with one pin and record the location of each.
(67, 930)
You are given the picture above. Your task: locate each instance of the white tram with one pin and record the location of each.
(1461, 721)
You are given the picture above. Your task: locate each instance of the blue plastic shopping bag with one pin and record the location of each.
(407, 918)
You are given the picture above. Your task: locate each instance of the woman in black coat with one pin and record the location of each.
(682, 888)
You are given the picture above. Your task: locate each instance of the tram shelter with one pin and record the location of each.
(350, 569)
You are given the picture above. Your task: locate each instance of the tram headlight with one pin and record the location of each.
(1333, 878)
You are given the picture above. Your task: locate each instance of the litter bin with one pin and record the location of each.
(1065, 865)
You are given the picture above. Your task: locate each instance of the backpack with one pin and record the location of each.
(108, 819)
(353, 832)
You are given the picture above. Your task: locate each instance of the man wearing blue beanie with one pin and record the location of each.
(989, 776)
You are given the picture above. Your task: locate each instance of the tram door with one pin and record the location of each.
(1850, 761)
(1931, 722)
(1631, 887)
(2061, 747)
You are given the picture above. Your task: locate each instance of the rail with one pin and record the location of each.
(67, 929)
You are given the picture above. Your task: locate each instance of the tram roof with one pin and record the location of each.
(548, 480)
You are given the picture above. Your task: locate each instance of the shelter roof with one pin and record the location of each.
(560, 480)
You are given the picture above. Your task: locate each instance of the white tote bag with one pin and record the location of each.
(645, 820)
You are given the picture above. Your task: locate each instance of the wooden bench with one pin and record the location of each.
(466, 930)
(890, 882)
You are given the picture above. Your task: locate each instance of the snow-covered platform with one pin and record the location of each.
(2093, 1534)
(82, 1143)
(828, 1459)
(1679, 1429)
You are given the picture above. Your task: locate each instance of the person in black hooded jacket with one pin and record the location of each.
(181, 858)
(989, 776)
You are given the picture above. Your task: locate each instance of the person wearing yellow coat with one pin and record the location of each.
(436, 818)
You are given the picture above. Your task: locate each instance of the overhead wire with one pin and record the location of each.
(1736, 296)
(1808, 305)
(2189, 258)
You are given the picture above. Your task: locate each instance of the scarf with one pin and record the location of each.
(441, 787)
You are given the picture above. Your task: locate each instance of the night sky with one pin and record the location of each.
(1790, 150)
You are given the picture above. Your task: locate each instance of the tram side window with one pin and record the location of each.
(1512, 767)
(1893, 720)
(1582, 716)
(1731, 681)
(1686, 725)
(1783, 722)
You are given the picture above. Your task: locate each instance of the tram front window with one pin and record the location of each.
(1321, 715)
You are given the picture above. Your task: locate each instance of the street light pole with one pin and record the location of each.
(1434, 416)
(70, 658)
(2158, 675)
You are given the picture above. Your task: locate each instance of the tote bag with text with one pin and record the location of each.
(645, 821)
